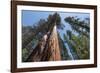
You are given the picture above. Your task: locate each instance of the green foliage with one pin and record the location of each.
(24, 54)
(80, 42)
(80, 26)
(80, 45)
(77, 22)
(69, 42)
(57, 19)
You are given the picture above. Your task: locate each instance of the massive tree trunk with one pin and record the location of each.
(51, 51)
(54, 46)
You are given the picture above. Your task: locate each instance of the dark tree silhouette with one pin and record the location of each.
(80, 26)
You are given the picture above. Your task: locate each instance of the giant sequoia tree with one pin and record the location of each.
(31, 34)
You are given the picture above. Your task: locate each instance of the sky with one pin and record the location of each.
(30, 17)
